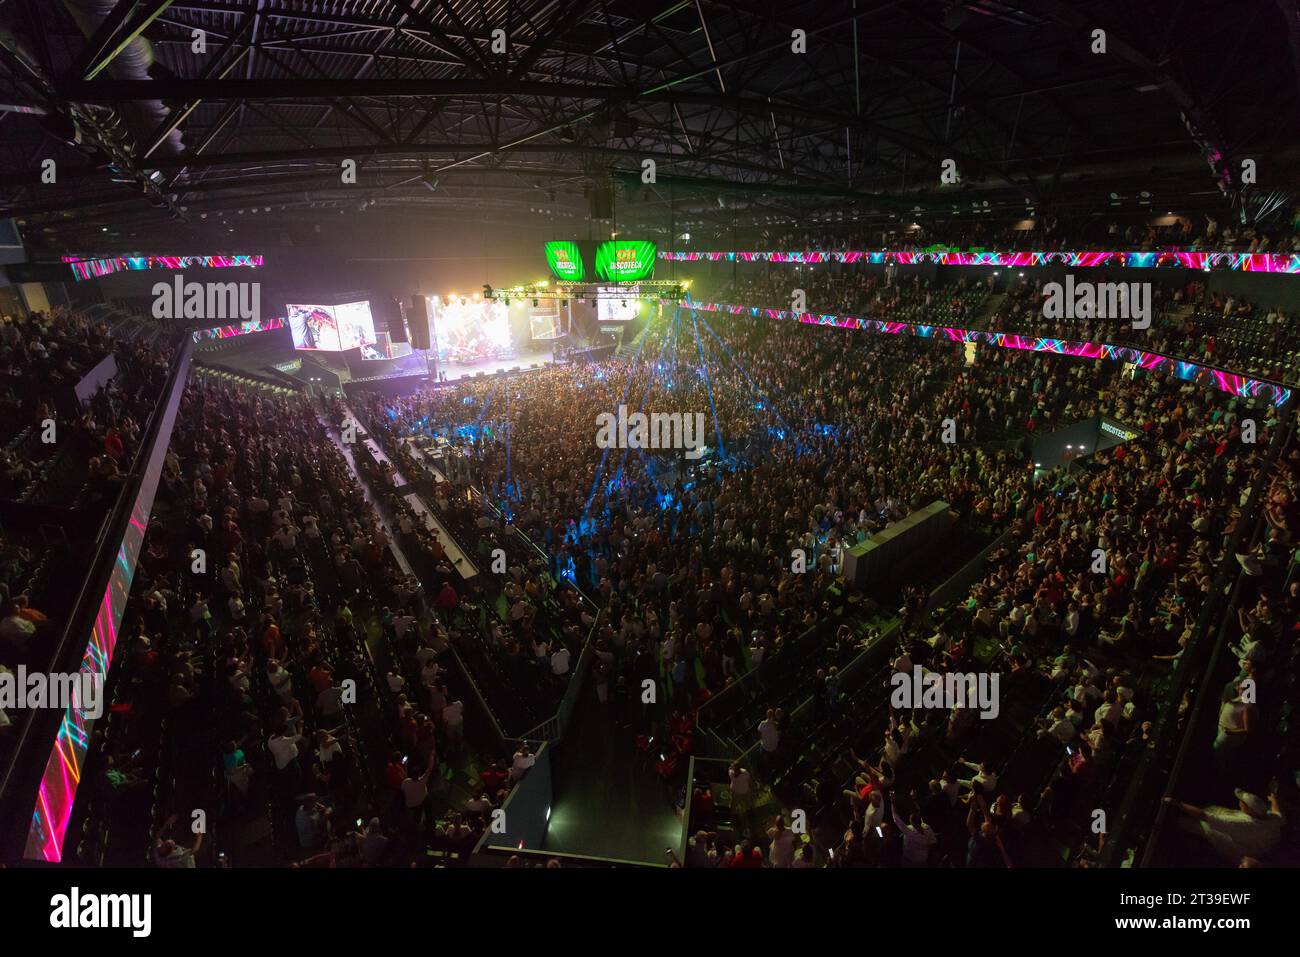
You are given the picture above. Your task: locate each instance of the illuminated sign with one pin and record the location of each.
(565, 261)
(625, 260)
(1124, 434)
(83, 269)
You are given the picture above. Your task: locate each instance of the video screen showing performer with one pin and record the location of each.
(313, 328)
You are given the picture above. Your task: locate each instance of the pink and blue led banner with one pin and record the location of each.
(239, 329)
(83, 269)
(63, 769)
(1229, 382)
(1173, 259)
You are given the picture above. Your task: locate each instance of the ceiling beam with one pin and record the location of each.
(114, 34)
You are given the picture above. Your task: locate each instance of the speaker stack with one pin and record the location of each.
(419, 323)
(395, 319)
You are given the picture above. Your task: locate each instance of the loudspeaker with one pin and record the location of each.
(395, 319)
(419, 322)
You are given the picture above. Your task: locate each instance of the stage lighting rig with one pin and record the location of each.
(592, 293)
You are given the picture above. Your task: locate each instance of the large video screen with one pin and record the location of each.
(313, 327)
(544, 322)
(332, 328)
(386, 348)
(626, 260)
(468, 331)
(616, 304)
(355, 324)
(564, 259)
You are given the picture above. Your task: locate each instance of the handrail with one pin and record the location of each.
(527, 539)
(727, 694)
(563, 856)
(554, 727)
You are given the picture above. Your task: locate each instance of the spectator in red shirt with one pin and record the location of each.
(394, 773)
(493, 778)
(750, 857)
(447, 598)
(113, 447)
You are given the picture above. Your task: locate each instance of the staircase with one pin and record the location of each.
(984, 316)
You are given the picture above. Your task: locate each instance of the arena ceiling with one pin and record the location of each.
(153, 138)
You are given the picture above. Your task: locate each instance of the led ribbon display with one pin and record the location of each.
(83, 269)
(1204, 261)
(1229, 382)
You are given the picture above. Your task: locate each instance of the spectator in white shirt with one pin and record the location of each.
(1252, 829)
(1110, 710)
(284, 749)
(985, 777)
(1058, 726)
(918, 839)
(453, 724)
(415, 790)
(280, 679)
(522, 761)
(780, 852)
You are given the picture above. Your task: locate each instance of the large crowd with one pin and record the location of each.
(296, 668)
(1187, 320)
(823, 438)
(68, 445)
(315, 653)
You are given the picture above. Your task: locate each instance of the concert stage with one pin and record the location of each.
(409, 379)
(524, 360)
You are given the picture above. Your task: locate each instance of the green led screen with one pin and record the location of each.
(626, 260)
(565, 261)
